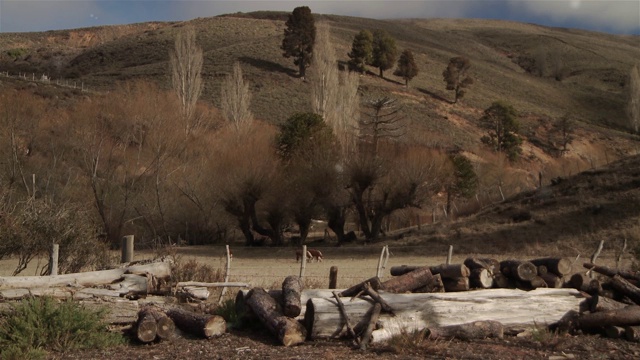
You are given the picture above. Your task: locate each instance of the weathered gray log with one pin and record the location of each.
(632, 333)
(377, 298)
(160, 270)
(416, 312)
(518, 270)
(435, 285)
(445, 270)
(165, 327)
(409, 281)
(288, 331)
(194, 292)
(146, 328)
(366, 336)
(458, 284)
(626, 288)
(468, 331)
(291, 294)
(481, 278)
(203, 325)
(629, 275)
(559, 266)
(358, 288)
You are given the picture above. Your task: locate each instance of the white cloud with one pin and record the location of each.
(618, 15)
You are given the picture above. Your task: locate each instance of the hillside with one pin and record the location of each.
(544, 72)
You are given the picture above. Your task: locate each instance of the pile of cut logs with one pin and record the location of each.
(509, 297)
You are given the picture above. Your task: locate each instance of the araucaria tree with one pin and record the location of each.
(361, 51)
(382, 119)
(384, 51)
(186, 78)
(456, 77)
(633, 108)
(407, 68)
(235, 98)
(299, 38)
(501, 122)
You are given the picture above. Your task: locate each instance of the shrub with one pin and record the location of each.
(38, 325)
(192, 270)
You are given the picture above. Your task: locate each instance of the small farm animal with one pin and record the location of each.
(315, 254)
(299, 255)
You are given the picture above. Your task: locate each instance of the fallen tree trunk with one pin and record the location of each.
(468, 331)
(409, 281)
(288, 331)
(626, 288)
(597, 303)
(628, 316)
(419, 311)
(358, 288)
(291, 291)
(629, 275)
(203, 325)
(161, 270)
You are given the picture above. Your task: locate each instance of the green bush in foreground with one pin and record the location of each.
(38, 325)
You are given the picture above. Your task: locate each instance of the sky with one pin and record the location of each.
(611, 16)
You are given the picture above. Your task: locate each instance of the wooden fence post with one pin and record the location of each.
(303, 263)
(382, 262)
(450, 255)
(333, 277)
(127, 249)
(53, 261)
(226, 274)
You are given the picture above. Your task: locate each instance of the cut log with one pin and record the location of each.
(481, 278)
(468, 331)
(537, 282)
(416, 312)
(161, 270)
(242, 308)
(453, 285)
(358, 288)
(632, 333)
(409, 281)
(542, 270)
(559, 266)
(597, 303)
(580, 281)
(502, 282)
(552, 280)
(347, 321)
(614, 332)
(518, 270)
(165, 327)
(376, 297)
(445, 270)
(492, 265)
(634, 276)
(435, 285)
(146, 328)
(366, 337)
(194, 292)
(288, 331)
(291, 294)
(628, 316)
(202, 325)
(627, 289)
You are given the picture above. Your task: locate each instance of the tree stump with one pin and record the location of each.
(202, 325)
(288, 331)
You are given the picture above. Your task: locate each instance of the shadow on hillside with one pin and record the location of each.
(268, 65)
(434, 95)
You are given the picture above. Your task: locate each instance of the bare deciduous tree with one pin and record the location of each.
(382, 120)
(186, 66)
(633, 108)
(235, 99)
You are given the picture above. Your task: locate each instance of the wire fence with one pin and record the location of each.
(46, 79)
